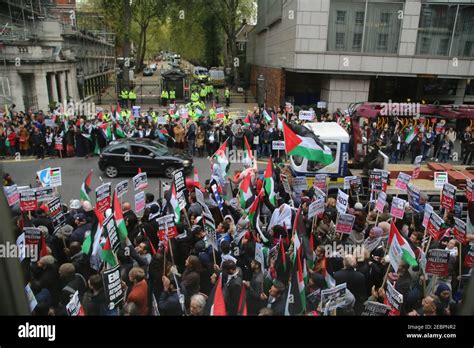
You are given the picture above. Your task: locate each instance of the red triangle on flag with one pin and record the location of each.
(218, 306)
(291, 139)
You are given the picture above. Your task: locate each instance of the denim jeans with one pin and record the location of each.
(191, 146)
(394, 156)
(266, 151)
(444, 157)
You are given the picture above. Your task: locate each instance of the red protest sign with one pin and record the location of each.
(166, 227)
(28, 200)
(437, 262)
(469, 258)
(448, 196)
(416, 171)
(345, 223)
(103, 197)
(434, 226)
(460, 230)
(469, 194)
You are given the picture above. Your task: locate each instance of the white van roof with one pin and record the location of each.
(328, 131)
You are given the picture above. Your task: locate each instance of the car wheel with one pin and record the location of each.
(169, 172)
(111, 171)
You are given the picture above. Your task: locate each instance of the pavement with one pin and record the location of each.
(74, 171)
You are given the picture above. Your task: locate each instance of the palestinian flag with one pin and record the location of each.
(91, 246)
(248, 157)
(175, 204)
(44, 246)
(108, 254)
(247, 120)
(246, 193)
(119, 131)
(118, 216)
(85, 188)
(267, 117)
(269, 183)
(330, 281)
(216, 298)
(296, 298)
(107, 130)
(221, 158)
(254, 216)
(118, 113)
(411, 135)
(242, 309)
(399, 249)
(281, 254)
(299, 140)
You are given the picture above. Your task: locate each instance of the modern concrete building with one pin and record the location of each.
(343, 51)
(45, 57)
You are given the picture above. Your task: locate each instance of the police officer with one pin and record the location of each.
(133, 98)
(203, 93)
(227, 96)
(124, 98)
(172, 95)
(164, 97)
(195, 97)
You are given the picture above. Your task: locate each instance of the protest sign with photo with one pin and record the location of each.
(102, 197)
(375, 180)
(12, 194)
(402, 181)
(437, 261)
(121, 188)
(319, 193)
(347, 182)
(460, 231)
(30, 296)
(344, 223)
(110, 229)
(375, 309)
(469, 258)
(381, 200)
(434, 226)
(180, 186)
(113, 287)
(140, 181)
(166, 227)
(356, 186)
(28, 200)
(469, 193)
(398, 208)
(380, 180)
(448, 196)
(139, 201)
(220, 113)
(342, 202)
(334, 297)
(74, 307)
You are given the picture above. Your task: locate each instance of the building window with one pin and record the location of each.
(340, 40)
(425, 45)
(435, 29)
(357, 41)
(382, 34)
(464, 33)
(382, 41)
(341, 17)
(385, 18)
(443, 47)
(359, 19)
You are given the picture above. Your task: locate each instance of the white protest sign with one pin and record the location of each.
(342, 202)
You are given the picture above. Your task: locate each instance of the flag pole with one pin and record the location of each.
(460, 260)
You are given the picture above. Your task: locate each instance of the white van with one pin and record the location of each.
(217, 77)
(337, 139)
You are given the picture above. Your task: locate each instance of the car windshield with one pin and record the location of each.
(161, 149)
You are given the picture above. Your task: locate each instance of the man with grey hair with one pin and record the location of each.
(198, 302)
(355, 282)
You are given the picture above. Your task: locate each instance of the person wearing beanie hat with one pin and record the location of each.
(443, 291)
(358, 206)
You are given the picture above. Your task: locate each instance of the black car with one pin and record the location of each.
(126, 156)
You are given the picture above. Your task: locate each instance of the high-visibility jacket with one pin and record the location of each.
(212, 113)
(154, 116)
(227, 93)
(164, 94)
(132, 95)
(105, 118)
(124, 94)
(172, 94)
(210, 89)
(203, 92)
(195, 96)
